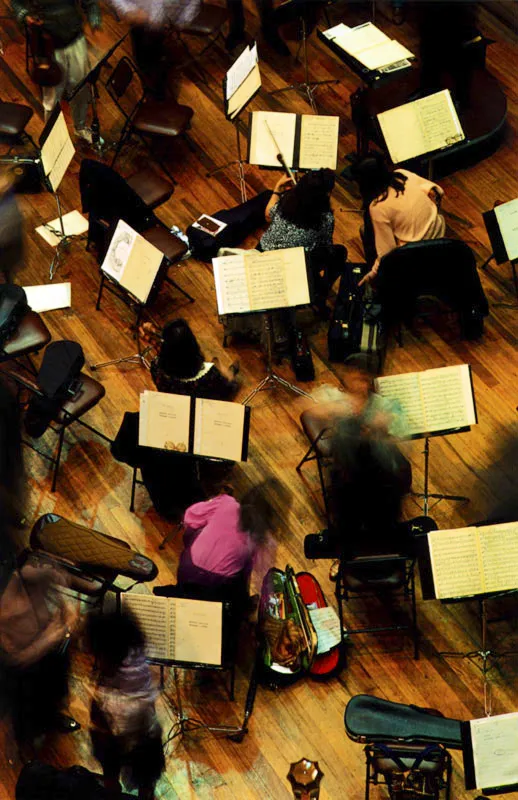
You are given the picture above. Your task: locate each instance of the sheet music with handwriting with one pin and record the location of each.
(495, 750)
(507, 218)
(430, 123)
(327, 626)
(254, 281)
(384, 54)
(164, 421)
(219, 429)
(132, 261)
(263, 150)
(318, 142)
(433, 400)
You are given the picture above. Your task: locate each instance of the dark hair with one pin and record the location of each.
(180, 355)
(111, 636)
(308, 201)
(262, 508)
(374, 177)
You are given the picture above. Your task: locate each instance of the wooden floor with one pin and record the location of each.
(306, 719)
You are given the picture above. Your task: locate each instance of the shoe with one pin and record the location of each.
(87, 135)
(273, 38)
(333, 570)
(63, 723)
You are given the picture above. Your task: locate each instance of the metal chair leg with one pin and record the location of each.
(133, 489)
(58, 458)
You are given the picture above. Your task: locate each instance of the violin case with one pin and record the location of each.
(288, 639)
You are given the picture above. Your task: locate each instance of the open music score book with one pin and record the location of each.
(57, 149)
(467, 562)
(490, 751)
(179, 629)
(433, 401)
(132, 261)
(429, 124)
(308, 141)
(242, 82)
(368, 45)
(200, 427)
(254, 281)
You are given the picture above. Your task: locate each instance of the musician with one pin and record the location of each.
(63, 21)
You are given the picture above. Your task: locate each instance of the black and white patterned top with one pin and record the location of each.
(283, 233)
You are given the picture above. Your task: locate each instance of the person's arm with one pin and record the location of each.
(55, 633)
(197, 515)
(384, 239)
(280, 187)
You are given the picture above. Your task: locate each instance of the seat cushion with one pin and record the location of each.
(170, 245)
(320, 418)
(207, 22)
(152, 189)
(374, 578)
(31, 336)
(162, 119)
(13, 118)
(88, 395)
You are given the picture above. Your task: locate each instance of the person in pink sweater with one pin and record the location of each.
(402, 207)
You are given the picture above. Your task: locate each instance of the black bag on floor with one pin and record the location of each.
(38, 781)
(13, 307)
(345, 328)
(301, 358)
(58, 379)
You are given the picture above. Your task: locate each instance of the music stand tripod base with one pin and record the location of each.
(437, 496)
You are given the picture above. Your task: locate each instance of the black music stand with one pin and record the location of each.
(91, 79)
(425, 494)
(302, 11)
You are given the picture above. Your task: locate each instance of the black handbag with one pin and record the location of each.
(301, 358)
(13, 307)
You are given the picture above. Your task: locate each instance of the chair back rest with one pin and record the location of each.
(107, 196)
(125, 87)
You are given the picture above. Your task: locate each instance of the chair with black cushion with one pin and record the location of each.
(31, 336)
(87, 394)
(152, 189)
(207, 26)
(317, 423)
(93, 560)
(144, 117)
(14, 118)
(440, 268)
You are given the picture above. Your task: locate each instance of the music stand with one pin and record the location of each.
(425, 494)
(245, 79)
(502, 234)
(57, 151)
(300, 11)
(91, 79)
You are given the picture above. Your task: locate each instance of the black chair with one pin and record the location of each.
(14, 118)
(444, 269)
(317, 423)
(144, 117)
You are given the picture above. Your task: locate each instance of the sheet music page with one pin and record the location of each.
(440, 123)
(263, 151)
(383, 54)
(318, 142)
(456, 563)
(495, 750)
(361, 38)
(507, 218)
(199, 631)
(218, 429)
(239, 70)
(295, 270)
(395, 120)
(231, 284)
(336, 31)
(406, 390)
(327, 625)
(245, 92)
(49, 296)
(152, 614)
(499, 552)
(447, 398)
(141, 268)
(57, 152)
(164, 421)
(119, 251)
(266, 279)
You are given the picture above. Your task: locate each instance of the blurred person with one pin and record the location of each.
(269, 25)
(125, 731)
(149, 20)
(400, 207)
(63, 21)
(11, 226)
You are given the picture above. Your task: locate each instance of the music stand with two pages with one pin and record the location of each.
(240, 85)
(189, 633)
(431, 125)
(254, 282)
(435, 402)
(480, 562)
(490, 753)
(502, 228)
(56, 152)
(130, 269)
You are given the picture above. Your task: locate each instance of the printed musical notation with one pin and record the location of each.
(318, 142)
(267, 281)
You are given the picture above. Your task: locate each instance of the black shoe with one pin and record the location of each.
(272, 38)
(63, 723)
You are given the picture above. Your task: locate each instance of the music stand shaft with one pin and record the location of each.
(426, 494)
(239, 161)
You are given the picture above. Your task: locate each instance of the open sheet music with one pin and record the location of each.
(307, 141)
(210, 428)
(132, 261)
(242, 81)
(254, 281)
(471, 561)
(507, 218)
(179, 629)
(490, 748)
(430, 123)
(368, 45)
(57, 150)
(433, 400)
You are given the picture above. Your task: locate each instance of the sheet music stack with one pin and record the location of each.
(308, 141)
(368, 45)
(242, 82)
(429, 124)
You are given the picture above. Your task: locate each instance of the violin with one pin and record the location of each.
(45, 70)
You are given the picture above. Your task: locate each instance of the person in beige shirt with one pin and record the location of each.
(403, 207)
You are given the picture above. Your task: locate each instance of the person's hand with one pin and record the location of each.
(283, 184)
(147, 332)
(367, 278)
